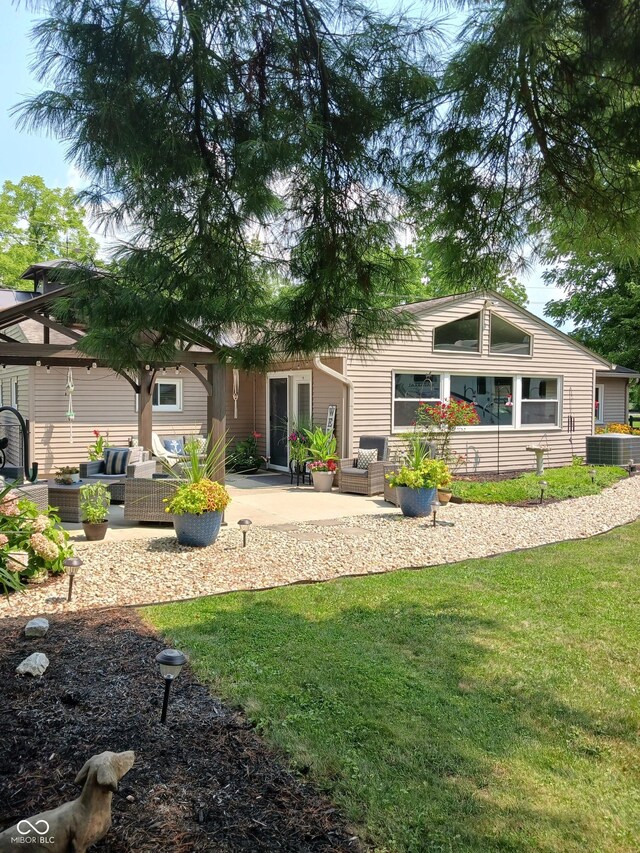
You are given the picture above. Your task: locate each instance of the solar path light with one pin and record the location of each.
(171, 662)
(244, 524)
(72, 564)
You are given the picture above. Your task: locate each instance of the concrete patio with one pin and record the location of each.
(267, 498)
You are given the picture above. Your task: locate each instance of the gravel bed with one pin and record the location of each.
(154, 570)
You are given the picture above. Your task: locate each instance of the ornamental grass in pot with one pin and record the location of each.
(418, 480)
(199, 502)
(95, 500)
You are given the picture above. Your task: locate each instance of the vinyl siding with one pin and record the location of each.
(9, 426)
(615, 400)
(551, 356)
(105, 401)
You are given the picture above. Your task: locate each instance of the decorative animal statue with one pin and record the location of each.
(75, 826)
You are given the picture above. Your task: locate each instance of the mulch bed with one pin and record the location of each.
(206, 781)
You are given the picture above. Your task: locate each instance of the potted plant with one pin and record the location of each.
(198, 502)
(94, 509)
(245, 458)
(96, 450)
(322, 453)
(67, 475)
(298, 451)
(418, 480)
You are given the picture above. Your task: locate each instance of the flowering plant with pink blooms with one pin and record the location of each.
(96, 450)
(28, 530)
(328, 465)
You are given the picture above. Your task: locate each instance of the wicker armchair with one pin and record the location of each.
(365, 481)
(144, 498)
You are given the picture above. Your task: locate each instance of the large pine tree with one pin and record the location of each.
(235, 142)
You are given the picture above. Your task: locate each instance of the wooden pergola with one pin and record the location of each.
(189, 352)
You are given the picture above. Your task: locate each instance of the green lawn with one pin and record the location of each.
(491, 705)
(573, 481)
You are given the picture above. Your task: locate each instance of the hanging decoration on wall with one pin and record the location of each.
(236, 391)
(69, 389)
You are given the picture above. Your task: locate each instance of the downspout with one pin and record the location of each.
(347, 427)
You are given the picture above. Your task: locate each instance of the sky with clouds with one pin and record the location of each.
(23, 153)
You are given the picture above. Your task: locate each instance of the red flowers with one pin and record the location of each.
(96, 432)
(256, 435)
(449, 415)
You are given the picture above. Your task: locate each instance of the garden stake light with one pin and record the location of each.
(592, 473)
(72, 564)
(171, 662)
(543, 486)
(631, 466)
(244, 524)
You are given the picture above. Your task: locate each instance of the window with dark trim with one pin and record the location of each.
(410, 389)
(507, 339)
(460, 335)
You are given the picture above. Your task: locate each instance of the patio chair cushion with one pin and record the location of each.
(361, 472)
(366, 457)
(174, 445)
(116, 460)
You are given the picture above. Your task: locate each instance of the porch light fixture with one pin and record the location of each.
(244, 524)
(177, 369)
(543, 486)
(147, 367)
(632, 466)
(38, 363)
(48, 368)
(72, 564)
(170, 662)
(94, 364)
(592, 474)
(88, 368)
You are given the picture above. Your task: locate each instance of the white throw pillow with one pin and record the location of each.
(366, 457)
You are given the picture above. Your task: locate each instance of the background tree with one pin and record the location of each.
(38, 223)
(541, 126)
(204, 123)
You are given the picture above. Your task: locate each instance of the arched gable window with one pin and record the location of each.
(461, 335)
(507, 339)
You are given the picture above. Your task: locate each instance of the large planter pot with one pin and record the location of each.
(197, 531)
(95, 532)
(415, 503)
(323, 480)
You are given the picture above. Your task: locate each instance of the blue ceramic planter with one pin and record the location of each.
(415, 503)
(197, 531)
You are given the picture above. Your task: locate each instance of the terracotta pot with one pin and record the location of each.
(95, 531)
(444, 496)
(323, 480)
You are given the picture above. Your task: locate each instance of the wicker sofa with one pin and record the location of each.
(365, 481)
(95, 471)
(37, 492)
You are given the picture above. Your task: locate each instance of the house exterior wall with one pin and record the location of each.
(551, 356)
(616, 395)
(325, 391)
(9, 426)
(105, 401)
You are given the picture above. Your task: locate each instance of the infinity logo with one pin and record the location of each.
(20, 826)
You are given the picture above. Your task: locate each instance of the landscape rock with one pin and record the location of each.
(35, 664)
(36, 627)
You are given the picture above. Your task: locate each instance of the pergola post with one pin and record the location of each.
(217, 409)
(145, 409)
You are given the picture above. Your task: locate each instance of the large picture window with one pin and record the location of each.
(507, 339)
(410, 389)
(491, 395)
(539, 401)
(461, 335)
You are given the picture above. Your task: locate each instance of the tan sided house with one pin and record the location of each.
(532, 385)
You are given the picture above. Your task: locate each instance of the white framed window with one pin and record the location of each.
(507, 339)
(167, 396)
(502, 402)
(461, 335)
(540, 401)
(491, 395)
(598, 404)
(409, 390)
(14, 392)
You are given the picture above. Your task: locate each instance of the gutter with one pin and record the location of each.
(347, 430)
